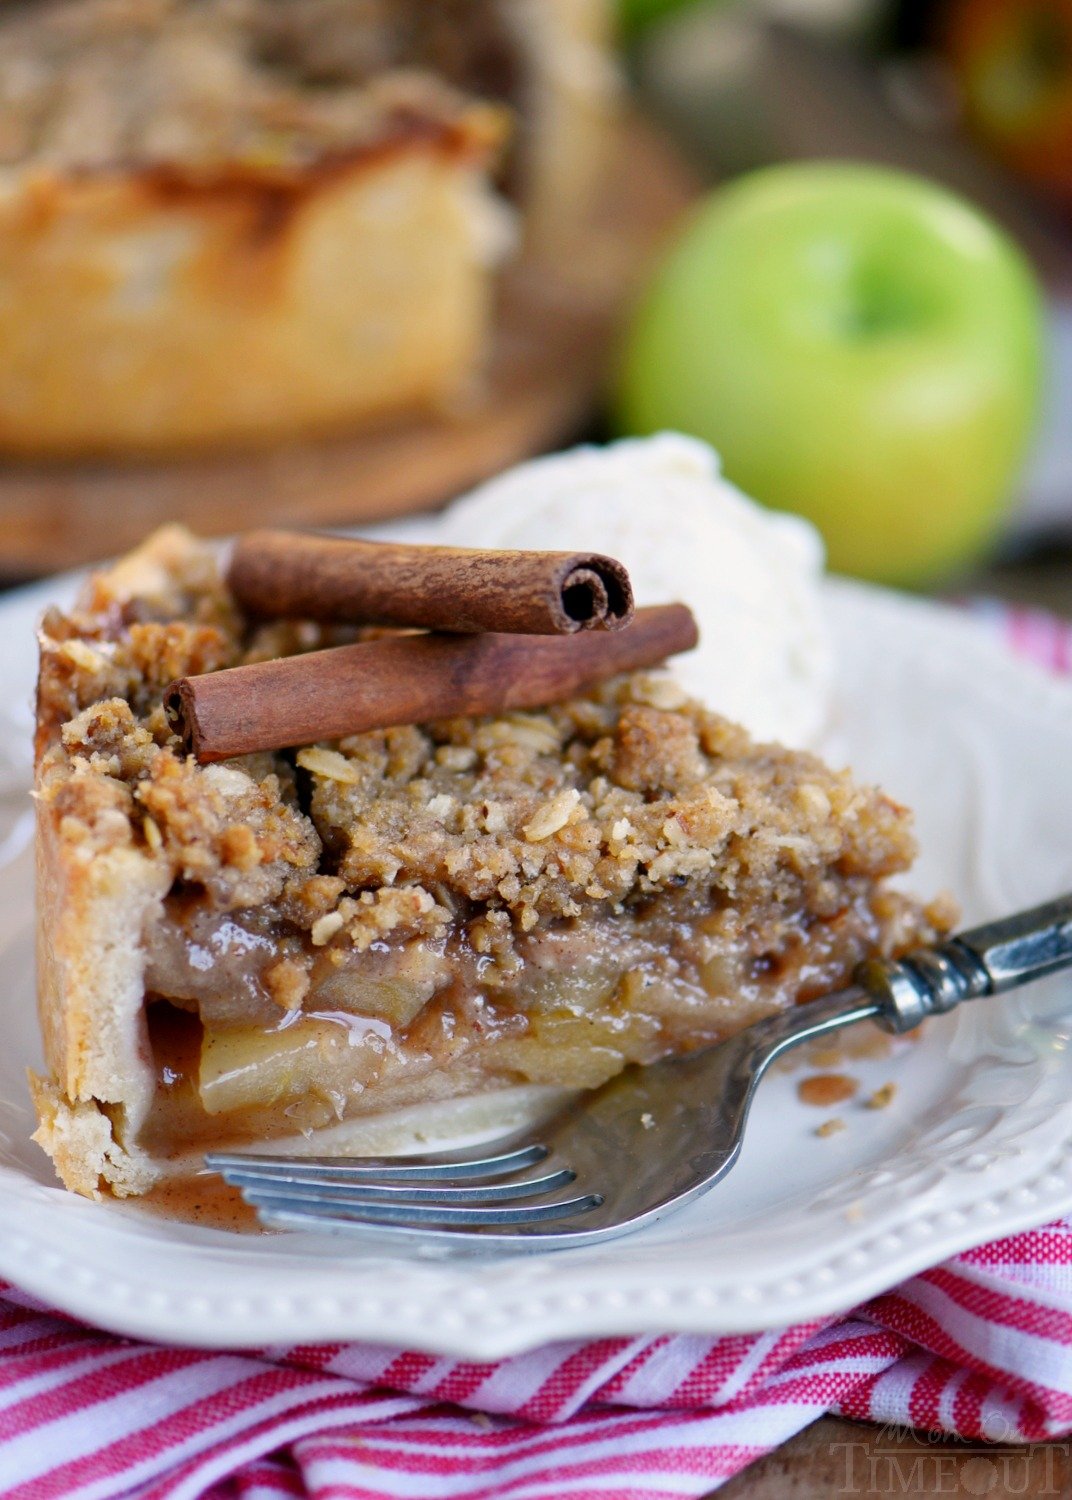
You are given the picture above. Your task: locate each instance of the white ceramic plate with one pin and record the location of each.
(977, 1143)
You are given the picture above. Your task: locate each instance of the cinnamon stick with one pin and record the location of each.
(407, 679)
(279, 573)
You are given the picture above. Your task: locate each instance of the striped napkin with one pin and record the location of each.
(980, 1347)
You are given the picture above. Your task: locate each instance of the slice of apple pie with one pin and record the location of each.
(279, 945)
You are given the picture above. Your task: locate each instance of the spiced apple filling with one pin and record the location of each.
(256, 1033)
(403, 915)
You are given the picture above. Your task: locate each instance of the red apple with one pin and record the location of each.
(1013, 61)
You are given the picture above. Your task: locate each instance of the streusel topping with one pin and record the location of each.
(192, 83)
(593, 805)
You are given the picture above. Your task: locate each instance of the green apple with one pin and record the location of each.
(861, 346)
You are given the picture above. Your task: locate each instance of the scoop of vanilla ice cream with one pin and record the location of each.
(662, 506)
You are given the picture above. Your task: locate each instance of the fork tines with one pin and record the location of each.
(413, 1193)
(383, 1168)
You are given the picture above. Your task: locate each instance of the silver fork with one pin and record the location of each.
(651, 1140)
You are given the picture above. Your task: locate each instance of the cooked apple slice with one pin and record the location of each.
(242, 1068)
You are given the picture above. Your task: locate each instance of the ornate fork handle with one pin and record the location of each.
(986, 960)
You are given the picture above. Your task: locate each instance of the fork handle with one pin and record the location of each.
(986, 960)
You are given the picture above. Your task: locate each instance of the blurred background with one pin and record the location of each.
(328, 261)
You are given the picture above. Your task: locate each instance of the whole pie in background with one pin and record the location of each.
(236, 221)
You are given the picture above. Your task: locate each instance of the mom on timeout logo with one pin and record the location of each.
(897, 1460)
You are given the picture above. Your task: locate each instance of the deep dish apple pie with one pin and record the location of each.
(275, 945)
(240, 220)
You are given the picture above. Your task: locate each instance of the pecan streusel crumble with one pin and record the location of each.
(269, 946)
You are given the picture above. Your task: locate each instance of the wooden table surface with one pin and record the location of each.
(834, 1458)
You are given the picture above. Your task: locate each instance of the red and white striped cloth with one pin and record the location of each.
(980, 1347)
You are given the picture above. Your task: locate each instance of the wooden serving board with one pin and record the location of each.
(555, 328)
